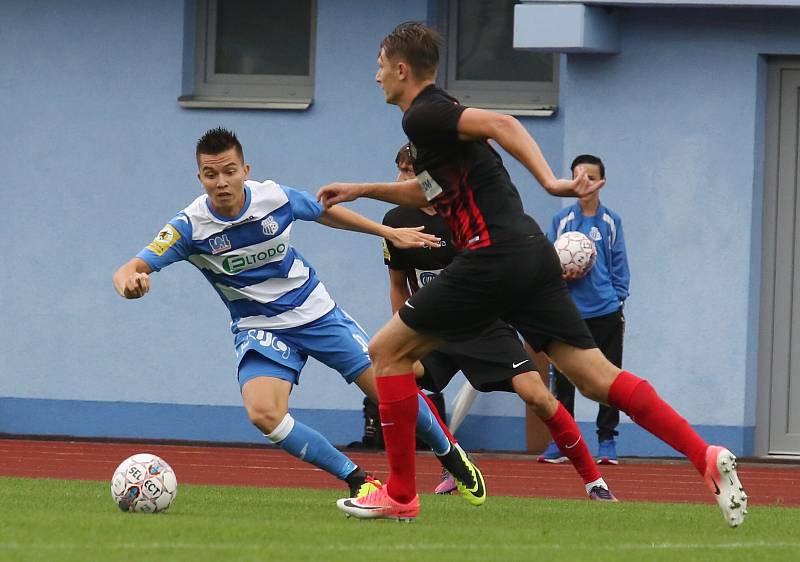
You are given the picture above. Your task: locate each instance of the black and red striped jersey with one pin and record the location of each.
(465, 181)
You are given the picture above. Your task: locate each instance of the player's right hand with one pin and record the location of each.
(135, 286)
(334, 193)
(582, 185)
(413, 237)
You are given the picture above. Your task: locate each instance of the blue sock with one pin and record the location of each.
(429, 430)
(310, 446)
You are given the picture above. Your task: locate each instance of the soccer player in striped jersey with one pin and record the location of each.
(238, 235)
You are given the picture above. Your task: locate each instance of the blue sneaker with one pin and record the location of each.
(552, 455)
(607, 452)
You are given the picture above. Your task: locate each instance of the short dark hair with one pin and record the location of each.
(417, 44)
(403, 155)
(216, 141)
(589, 159)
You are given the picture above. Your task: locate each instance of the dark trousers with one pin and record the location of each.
(608, 332)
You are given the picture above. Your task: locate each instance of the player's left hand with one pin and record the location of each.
(413, 237)
(334, 193)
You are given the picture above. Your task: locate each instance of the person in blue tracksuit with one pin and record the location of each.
(599, 294)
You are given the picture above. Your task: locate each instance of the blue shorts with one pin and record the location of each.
(335, 340)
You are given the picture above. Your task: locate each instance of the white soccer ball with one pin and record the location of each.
(144, 483)
(576, 252)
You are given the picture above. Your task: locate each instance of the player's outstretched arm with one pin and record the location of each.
(509, 133)
(406, 193)
(132, 280)
(345, 219)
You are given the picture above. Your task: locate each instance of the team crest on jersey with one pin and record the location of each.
(219, 244)
(594, 234)
(164, 240)
(269, 226)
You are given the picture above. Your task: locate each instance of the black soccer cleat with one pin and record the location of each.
(468, 477)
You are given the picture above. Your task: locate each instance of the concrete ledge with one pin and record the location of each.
(565, 28)
(210, 102)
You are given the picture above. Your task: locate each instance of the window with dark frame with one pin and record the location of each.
(483, 69)
(254, 54)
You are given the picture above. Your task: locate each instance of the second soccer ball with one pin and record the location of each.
(576, 252)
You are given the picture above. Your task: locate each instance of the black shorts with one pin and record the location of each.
(519, 284)
(489, 362)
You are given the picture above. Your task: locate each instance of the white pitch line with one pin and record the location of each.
(401, 547)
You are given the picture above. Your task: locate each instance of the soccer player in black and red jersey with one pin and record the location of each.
(494, 361)
(506, 269)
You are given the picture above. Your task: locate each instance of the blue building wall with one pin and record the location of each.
(679, 117)
(99, 156)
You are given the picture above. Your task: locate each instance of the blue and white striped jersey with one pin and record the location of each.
(249, 260)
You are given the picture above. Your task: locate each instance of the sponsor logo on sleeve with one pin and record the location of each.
(164, 240)
(386, 255)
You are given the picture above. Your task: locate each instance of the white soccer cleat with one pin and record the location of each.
(722, 480)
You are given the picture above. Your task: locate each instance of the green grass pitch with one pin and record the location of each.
(68, 520)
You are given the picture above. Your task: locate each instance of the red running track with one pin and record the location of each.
(506, 475)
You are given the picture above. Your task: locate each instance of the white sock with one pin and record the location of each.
(599, 482)
(282, 431)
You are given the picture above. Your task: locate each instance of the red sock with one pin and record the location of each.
(398, 406)
(436, 413)
(637, 398)
(568, 437)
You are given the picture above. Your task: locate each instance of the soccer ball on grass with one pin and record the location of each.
(144, 483)
(576, 252)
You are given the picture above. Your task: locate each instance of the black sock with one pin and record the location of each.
(454, 464)
(356, 477)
